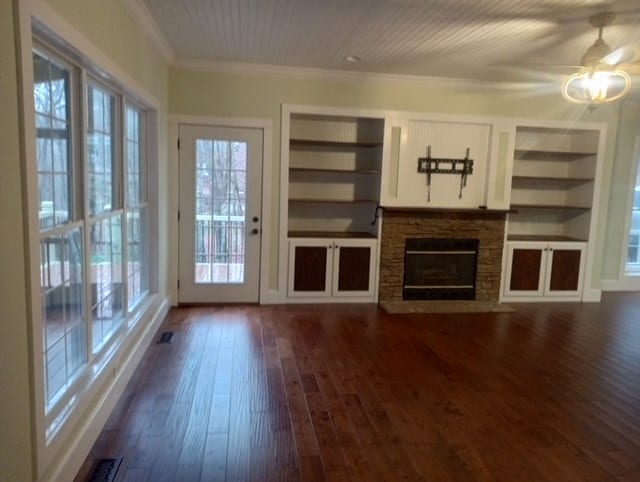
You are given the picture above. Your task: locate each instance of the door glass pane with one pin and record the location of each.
(220, 190)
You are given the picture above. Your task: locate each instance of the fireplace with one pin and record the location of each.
(402, 224)
(440, 269)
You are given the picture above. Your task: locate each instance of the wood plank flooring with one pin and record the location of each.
(550, 392)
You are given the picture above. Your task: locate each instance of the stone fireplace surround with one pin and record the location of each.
(401, 223)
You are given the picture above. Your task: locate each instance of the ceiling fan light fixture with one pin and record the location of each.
(599, 80)
(596, 85)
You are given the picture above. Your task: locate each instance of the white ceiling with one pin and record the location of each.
(473, 39)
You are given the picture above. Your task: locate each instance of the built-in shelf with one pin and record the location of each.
(542, 238)
(333, 201)
(334, 166)
(545, 155)
(333, 144)
(552, 179)
(330, 234)
(552, 188)
(338, 171)
(393, 209)
(550, 206)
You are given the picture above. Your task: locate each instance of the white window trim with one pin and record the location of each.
(629, 281)
(53, 458)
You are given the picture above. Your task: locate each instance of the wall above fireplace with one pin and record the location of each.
(398, 225)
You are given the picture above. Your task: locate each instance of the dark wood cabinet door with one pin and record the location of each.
(525, 270)
(565, 270)
(353, 268)
(310, 268)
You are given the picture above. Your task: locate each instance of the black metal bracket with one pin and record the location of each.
(376, 215)
(431, 165)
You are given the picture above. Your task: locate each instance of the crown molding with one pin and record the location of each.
(138, 10)
(307, 73)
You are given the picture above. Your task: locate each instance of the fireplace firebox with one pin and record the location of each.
(440, 269)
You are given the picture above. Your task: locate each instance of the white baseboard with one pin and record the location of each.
(73, 456)
(271, 297)
(626, 283)
(609, 284)
(592, 296)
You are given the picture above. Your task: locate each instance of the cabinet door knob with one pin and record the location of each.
(254, 231)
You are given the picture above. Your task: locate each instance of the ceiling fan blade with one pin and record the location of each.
(619, 56)
(631, 69)
(537, 66)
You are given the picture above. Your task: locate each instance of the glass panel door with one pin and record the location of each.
(220, 207)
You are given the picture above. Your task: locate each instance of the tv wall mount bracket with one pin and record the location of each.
(432, 165)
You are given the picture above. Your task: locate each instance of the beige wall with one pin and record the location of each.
(15, 435)
(112, 30)
(253, 95)
(107, 25)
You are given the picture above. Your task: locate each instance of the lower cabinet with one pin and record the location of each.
(325, 267)
(544, 269)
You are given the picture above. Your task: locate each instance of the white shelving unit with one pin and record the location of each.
(333, 165)
(334, 174)
(553, 187)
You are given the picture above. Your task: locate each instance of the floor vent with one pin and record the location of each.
(166, 337)
(105, 470)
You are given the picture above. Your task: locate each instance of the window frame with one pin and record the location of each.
(116, 210)
(625, 272)
(52, 415)
(75, 221)
(143, 201)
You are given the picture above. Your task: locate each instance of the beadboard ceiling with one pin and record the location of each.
(468, 39)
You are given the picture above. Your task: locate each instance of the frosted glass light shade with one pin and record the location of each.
(596, 86)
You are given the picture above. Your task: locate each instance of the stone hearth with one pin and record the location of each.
(400, 224)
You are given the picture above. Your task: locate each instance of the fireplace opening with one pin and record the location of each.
(440, 269)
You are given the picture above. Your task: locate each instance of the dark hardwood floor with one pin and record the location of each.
(349, 393)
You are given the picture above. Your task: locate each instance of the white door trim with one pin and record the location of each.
(267, 295)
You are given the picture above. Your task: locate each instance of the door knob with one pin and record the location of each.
(255, 231)
(255, 219)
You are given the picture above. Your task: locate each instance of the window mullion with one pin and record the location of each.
(84, 146)
(122, 186)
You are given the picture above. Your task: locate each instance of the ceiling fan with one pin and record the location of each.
(602, 75)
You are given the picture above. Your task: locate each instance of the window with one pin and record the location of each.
(633, 248)
(61, 236)
(93, 213)
(137, 207)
